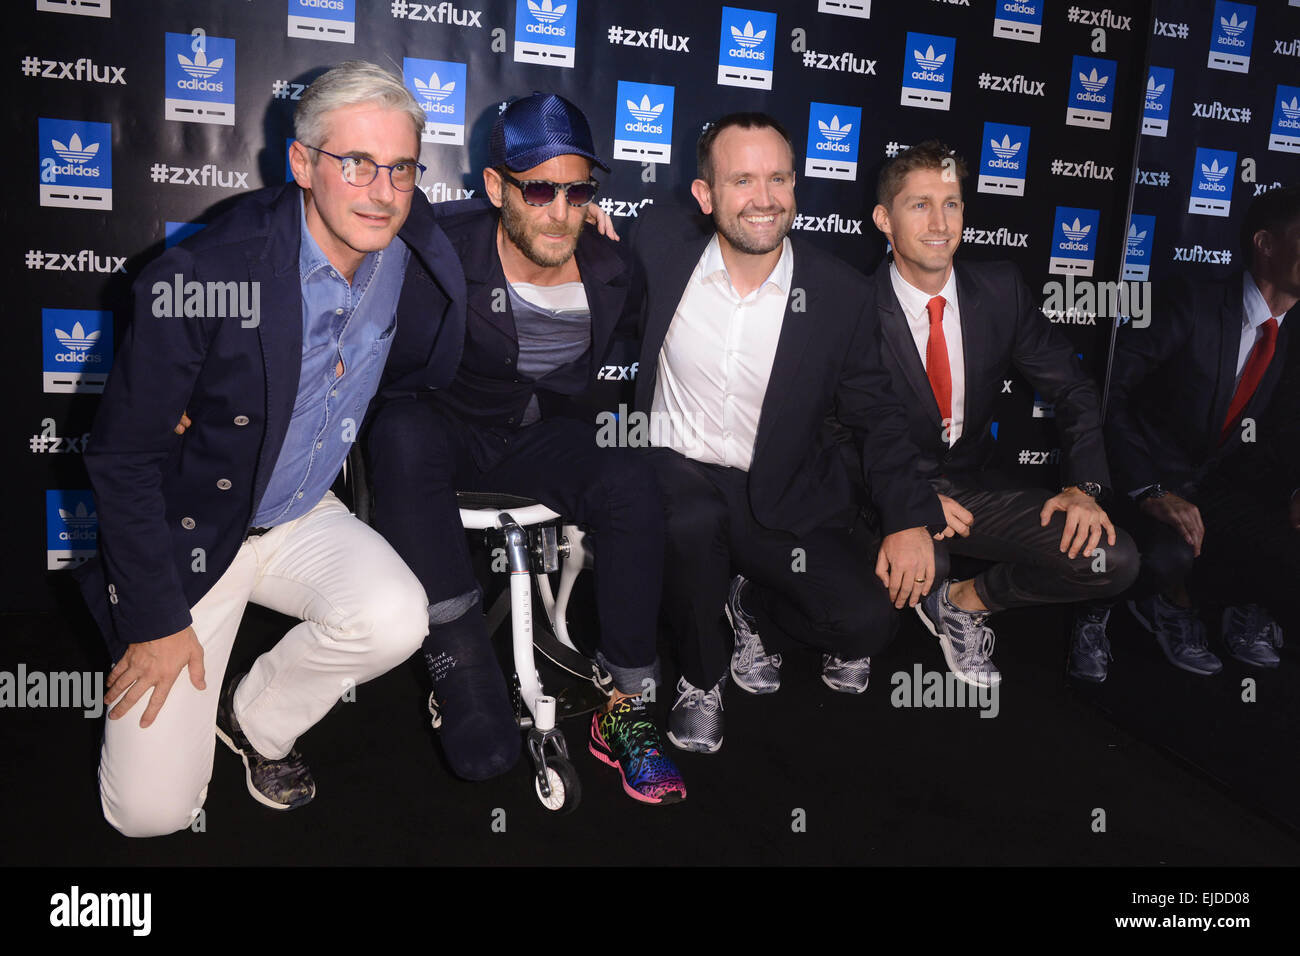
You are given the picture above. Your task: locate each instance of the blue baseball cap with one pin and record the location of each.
(533, 129)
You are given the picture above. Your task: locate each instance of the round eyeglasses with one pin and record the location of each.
(542, 192)
(360, 171)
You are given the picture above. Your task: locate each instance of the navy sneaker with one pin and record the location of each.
(1251, 635)
(1179, 632)
(967, 644)
(1090, 655)
(283, 784)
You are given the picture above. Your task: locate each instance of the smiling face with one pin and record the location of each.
(923, 224)
(545, 235)
(349, 221)
(751, 197)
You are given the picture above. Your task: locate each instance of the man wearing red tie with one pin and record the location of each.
(1189, 425)
(952, 331)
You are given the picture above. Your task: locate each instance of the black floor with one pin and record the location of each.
(1185, 772)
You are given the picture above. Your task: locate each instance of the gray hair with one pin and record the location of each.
(349, 84)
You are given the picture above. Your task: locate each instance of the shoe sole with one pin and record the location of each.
(693, 748)
(597, 750)
(1253, 663)
(945, 644)
(842, 688)
(248, 779)
(1088, 677)
(756, 691)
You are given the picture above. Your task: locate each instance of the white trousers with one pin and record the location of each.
(363, 612)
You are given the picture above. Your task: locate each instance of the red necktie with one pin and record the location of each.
(1256, 365)
(936, 359)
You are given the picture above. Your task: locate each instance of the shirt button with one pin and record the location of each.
(319, 444)
(338, 311)
(334, 274)
(223, 484)
(187, 523)
(334, 391)
(299, 494)
(241, 419)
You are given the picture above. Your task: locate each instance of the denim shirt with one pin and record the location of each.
(340, 322)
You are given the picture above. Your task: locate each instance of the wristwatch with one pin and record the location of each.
(1151, 491)
(1090, 488)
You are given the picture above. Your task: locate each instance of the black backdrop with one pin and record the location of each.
(134, 123)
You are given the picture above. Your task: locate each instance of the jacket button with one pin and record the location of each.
(241, 419)
(223, 484)
(112, 589)
(187, 523)
(112, 599)
(508, 360)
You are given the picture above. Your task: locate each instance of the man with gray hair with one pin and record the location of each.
(238, 508)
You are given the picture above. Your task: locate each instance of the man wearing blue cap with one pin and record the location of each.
(546, 300)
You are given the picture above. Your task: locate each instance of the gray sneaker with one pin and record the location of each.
(695, 722)
(967, 644)
(847, 677)
(1090, 655)
(282, 784)
(1179, 632)
(752, 668)
(1250, 634)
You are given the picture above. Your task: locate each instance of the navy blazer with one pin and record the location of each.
(487, 389)
(827, 371)
(1001, 328)
(1172, 382)
(174, 510)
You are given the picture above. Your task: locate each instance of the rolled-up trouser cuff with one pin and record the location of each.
(631, 680)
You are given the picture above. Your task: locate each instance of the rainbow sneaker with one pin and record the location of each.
(626, 739)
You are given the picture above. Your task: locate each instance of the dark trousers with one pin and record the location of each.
(1030, 567)
(420, 455)
(817, 589)
(1250, 554)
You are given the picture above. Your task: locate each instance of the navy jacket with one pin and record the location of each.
(174, 510)
(1001, 327)
(827, 372)
(1172, 382)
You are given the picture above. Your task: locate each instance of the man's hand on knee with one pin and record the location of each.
(156, 665)
(905, 565)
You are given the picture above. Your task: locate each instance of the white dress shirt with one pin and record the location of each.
(1254, 313)
(914, 303)
(716, 361)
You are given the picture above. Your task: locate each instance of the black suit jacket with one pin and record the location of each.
(1172, 382)
(827, 368)
(161, 498)
(1001, 327)
(488, 390)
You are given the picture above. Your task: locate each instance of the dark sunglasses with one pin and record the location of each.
(541, 192)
